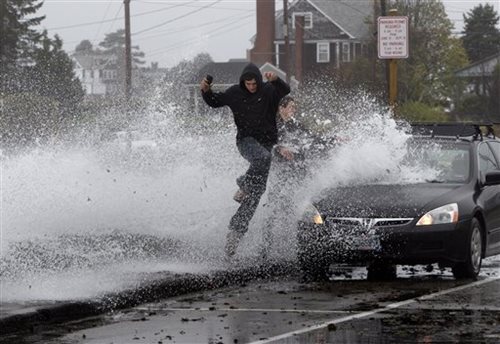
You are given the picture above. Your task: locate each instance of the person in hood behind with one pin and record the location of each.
(254, 104)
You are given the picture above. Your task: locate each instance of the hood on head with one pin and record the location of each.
(253, 70)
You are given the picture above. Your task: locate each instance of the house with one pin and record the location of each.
(335, 33)
(225, 74)
(102, 75)
(479, 74)
(97, 73)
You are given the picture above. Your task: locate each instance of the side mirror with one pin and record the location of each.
(492, 178)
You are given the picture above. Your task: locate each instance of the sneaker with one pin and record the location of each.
(240, 196)
(233, 239)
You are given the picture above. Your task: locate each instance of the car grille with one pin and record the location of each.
(365, 224)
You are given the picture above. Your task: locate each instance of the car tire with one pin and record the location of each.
(380, 271)
(313, 269)
(469, 269)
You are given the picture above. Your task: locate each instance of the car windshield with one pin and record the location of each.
(448, 162)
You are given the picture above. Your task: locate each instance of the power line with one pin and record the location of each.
(103, 17)
(176, 18)
(120, 18)
(187, 42)
(186, 5)
(210, 33)
(189, 28)
(116, 16)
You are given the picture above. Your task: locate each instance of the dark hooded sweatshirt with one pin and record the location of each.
(254, 113)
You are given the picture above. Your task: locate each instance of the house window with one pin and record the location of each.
(308, 19)
(323, 52)
(346, 56)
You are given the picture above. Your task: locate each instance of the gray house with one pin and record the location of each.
(335, 33)
(479, 74)
(97, 73)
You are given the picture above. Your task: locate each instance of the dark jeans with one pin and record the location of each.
(253, 182)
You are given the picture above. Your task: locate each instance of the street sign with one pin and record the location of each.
(393, 37)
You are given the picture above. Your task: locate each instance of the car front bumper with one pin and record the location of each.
(445, 243)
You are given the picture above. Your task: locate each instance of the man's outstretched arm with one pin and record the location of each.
(280, 86)
(213, 99)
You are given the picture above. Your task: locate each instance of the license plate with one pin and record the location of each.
(364, 243)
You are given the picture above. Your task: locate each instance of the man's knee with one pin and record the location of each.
(263, 164)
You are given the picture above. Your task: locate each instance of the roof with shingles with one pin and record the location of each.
(93, 61)
(349, 16)
(224, 73)
(484, 67)
(228, 73)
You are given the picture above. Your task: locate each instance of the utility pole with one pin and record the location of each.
(287, 41)
(128, 52)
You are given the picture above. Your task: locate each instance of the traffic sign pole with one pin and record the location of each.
(393, 74)
(393, 45)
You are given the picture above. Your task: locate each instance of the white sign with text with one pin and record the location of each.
(393, 37)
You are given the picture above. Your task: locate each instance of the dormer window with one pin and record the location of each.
(308, 19)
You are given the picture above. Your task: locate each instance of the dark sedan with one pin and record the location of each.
(452, 218)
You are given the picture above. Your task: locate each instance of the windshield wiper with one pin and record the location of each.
(437, 181)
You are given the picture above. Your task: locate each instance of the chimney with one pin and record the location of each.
(263, 50)
(299, 47)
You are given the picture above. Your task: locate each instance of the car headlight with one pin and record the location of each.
(445, 214)
(312, 215)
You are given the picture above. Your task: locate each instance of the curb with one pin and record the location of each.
(160, 288)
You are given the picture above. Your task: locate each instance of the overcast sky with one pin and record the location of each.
(168, 31)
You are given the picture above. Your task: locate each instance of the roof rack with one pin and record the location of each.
(457, 130)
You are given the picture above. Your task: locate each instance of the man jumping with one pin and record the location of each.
(254, 104)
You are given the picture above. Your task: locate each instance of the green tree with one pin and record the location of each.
(16, 33)
(85, 47)
(114, 44)
(17, 38)
(428, 74)
(52, 75)
(113, 47)
(481, 37)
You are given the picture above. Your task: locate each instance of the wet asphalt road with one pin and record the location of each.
(417, 307)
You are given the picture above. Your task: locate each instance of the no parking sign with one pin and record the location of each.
(393, 37)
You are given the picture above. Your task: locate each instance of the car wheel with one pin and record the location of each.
(313, 269)
(381, 272)
(472, 265)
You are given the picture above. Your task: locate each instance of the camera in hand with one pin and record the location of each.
(209, 79)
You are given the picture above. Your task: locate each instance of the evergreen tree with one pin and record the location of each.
(481, 36)
(428, 74)
(85, 47)
(114, 44)
(17, 38)
(53, 76)
(16, 34)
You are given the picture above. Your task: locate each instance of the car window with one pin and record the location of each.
(495, 146)
(449, 161)
(487, 160)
